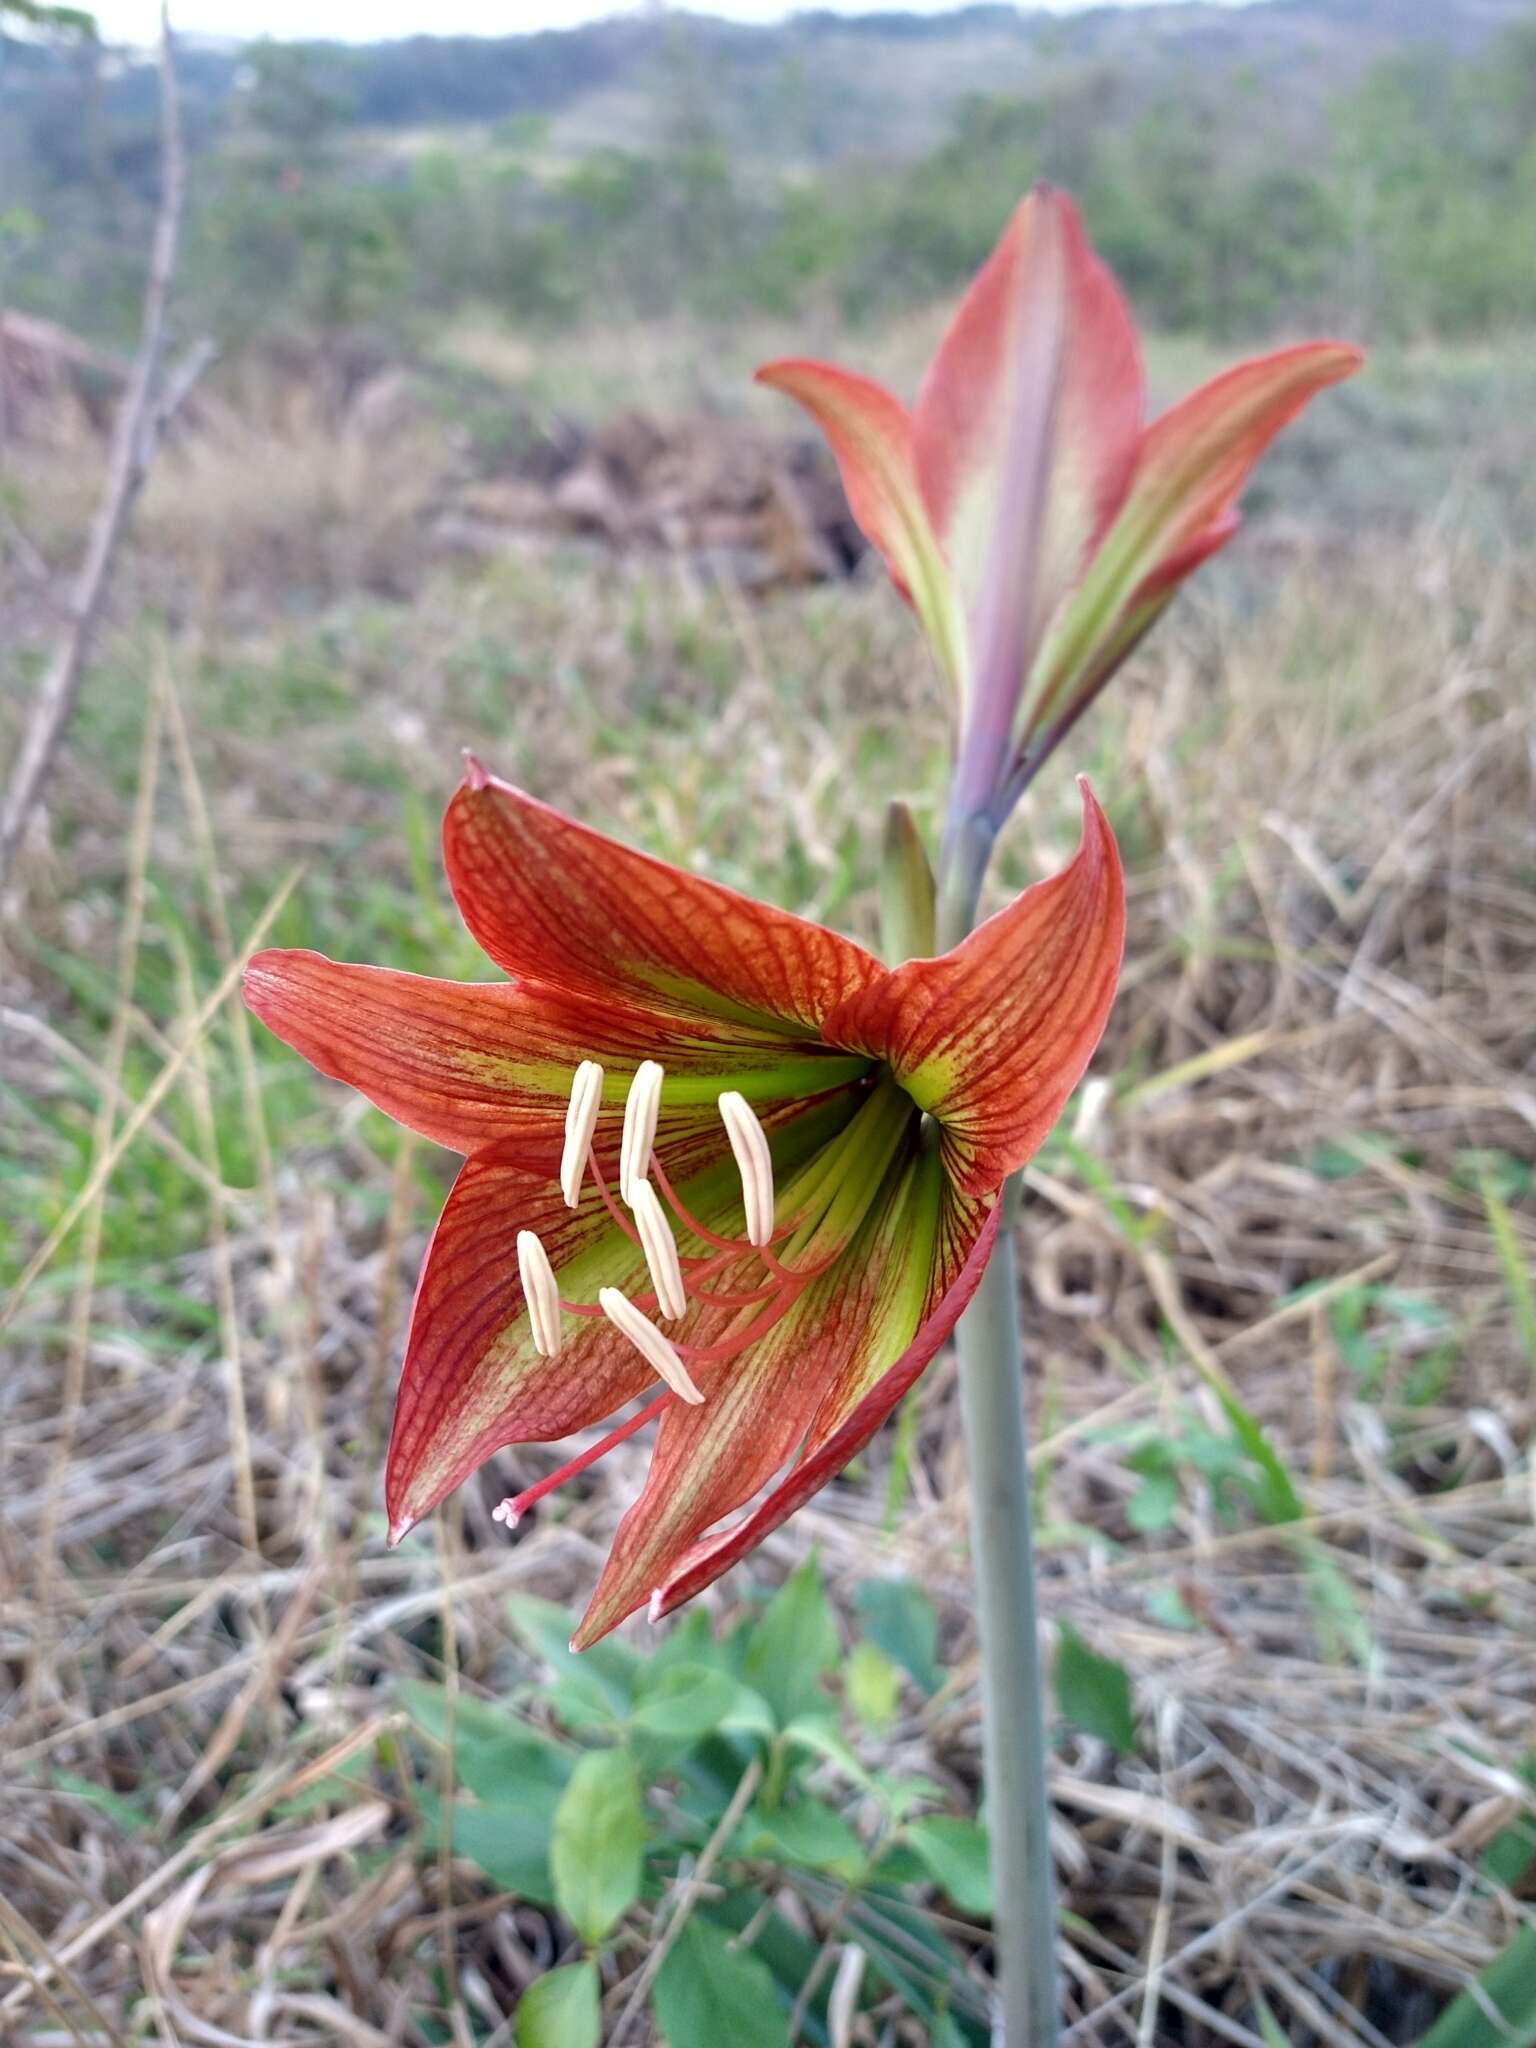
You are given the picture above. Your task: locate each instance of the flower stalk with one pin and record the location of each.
(1014, 1724)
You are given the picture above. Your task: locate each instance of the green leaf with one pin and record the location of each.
(599, 1840)
(809, 1833)
(792, 1645)
(1094, 1692)
(956, 1857)
(708, 1991)
(608, 1669)
(821, 1735)
(1152, 1507)
(496, 1754)
(872, 1684)
(688, 1702)
(898, 1617)
(1499, 2011)
(561, 2009)
(509, 1842)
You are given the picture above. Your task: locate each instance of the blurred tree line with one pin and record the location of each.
(1405, 203)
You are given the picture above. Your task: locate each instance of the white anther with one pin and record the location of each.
(580, 1123)
(754, 1162)
(648, 1341)
(660, 1248)
(541, 1293)
(640, 1107)
(506, 1512)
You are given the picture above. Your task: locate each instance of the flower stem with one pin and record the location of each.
(1013, 1723)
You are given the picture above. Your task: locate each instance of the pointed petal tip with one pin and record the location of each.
(399, 1528)
(476, 774)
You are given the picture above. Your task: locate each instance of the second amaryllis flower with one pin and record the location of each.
(1037, 525)
(709, 1145)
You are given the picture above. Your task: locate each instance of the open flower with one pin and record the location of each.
(1035, 523)
(710, 1145)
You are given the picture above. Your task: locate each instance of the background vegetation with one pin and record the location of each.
(1371, 166)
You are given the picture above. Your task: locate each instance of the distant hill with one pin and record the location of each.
(881, 83)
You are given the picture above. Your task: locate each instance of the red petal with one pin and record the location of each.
(1194, 461)
(449, 1059)
(553, 901)
(1039, 370)
(1196, 458)
(472, 1381)
(467, 1063)
(870, 434)
(993, 1037)
(704, 1562)
(863, 1316)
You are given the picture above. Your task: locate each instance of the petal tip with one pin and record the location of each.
(476, 775)
(656, 1607)
(399, 1528)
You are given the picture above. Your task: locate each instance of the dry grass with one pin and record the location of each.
(1327, 1035)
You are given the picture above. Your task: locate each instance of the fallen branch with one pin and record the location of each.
(141, 420)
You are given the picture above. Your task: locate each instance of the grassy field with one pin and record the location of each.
(1279, 1257)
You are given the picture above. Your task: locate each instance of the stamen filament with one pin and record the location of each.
(609, 1203)
(515, 1506)
(641, 1107)
(653, 1347)
(660, 1248)
(541, 1294)
(580, 1123)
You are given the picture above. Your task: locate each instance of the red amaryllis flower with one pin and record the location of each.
(1036, 525)
(708, 1144)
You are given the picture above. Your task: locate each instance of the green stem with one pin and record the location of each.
(1015, 1747)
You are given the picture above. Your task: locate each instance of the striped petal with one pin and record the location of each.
(868, 1389)
(1026, 430)
(858, 1337)
(559, 904)
(472, 1381)
(870, 434)
(468, 1063)
(1179, 509)
(992, 1038)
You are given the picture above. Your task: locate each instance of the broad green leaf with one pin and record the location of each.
(793, 1644)
(956, 1857)
(496, 1754)
(820, 1735)
(872, 1684)
(687, 1702)
(599, 1839)
(1499, 2011)
(509, 1841)
(690, 1640)
(711, 1994)
(898, 1617)
(547, 1628)
(561, 2009)
(1094, 1692)
(809, 1833)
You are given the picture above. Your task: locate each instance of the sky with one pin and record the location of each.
(369, 20)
